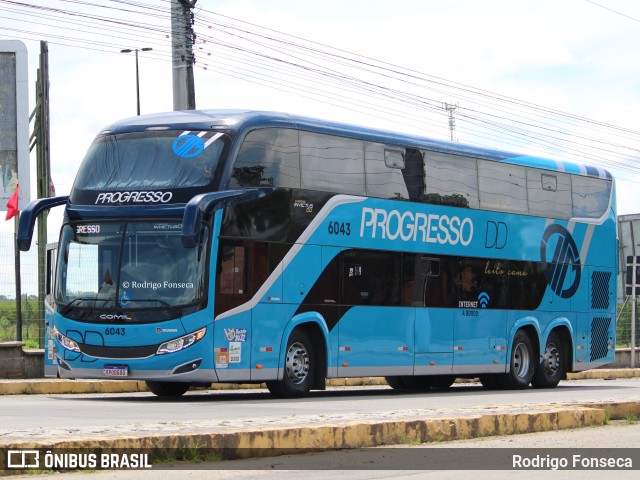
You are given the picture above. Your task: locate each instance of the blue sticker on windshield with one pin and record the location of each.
(188, 146)
(124, 297)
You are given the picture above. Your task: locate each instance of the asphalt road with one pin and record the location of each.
(35, 417)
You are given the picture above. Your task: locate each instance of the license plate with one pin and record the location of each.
(116, 370)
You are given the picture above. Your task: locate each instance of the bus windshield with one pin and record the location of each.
(168, 159)
(129, 266)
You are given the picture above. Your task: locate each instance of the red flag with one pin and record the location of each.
(12, 205)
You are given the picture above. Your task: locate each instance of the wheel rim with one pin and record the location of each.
(521, 360)
(552, 359)
(298, 363)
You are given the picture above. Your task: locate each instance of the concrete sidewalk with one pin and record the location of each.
(244, 439)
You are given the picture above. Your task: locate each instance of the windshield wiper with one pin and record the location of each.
(76, 301)
(160, 301)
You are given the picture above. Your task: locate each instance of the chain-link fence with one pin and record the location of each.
(625, 317)
(32, 314)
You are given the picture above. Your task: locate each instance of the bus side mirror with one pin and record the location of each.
(29, 215)
(207, 203)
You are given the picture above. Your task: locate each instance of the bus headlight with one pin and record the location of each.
(181, 343)
(66, 342)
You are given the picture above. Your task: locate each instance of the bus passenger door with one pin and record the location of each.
(375, 332)
(248, 329)
(50, 360)
(274, 308)
(232, 335)
(427, 288)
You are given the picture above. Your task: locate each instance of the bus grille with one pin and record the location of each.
(600, 290)
(600, 337)
(100, 351)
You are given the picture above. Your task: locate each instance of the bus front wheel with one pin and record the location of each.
(168, 389)
(299, 368)
(397, 383)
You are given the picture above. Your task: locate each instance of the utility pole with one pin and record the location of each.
(43, 169)
(451, 108)
(182, 40)
(634, 309)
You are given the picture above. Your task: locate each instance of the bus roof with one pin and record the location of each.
(241, 121)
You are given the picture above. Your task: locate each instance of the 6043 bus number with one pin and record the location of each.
(114, 331)
(339, 228)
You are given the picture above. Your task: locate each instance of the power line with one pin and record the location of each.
(612, 10)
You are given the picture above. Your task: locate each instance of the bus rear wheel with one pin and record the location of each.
(550, 371)
(490, 382)
(168, 389)
(299, 368)
(522, 365)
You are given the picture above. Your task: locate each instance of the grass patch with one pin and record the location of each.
(31, 320)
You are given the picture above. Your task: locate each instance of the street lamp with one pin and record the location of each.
(128, 50)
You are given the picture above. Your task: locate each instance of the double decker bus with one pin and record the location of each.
(249, 247)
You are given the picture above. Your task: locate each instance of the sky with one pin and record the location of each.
(578, 57)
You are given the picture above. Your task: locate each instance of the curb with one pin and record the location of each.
(349, 435)
(59, 386)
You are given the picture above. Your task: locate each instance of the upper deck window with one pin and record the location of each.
(384, 172)
(590, 196)
(290, 158)
(268, 157)
(332, 164)
(451, 180)
(503, 187)
(549, 193)
(151, 160)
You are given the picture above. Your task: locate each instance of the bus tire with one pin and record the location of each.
(490, 382)
(550, 371)
(397, 383)
(417, 382)
(168, 389)
(442, 381)
(299, 368)
(522, 365)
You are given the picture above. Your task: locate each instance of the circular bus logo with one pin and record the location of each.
(563, 267)
(188, 146)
